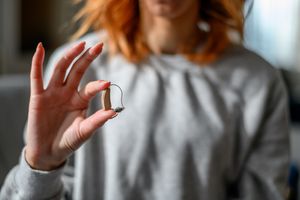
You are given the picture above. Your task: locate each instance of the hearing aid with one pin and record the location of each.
(106, 101)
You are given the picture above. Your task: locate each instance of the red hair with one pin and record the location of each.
(121, 20)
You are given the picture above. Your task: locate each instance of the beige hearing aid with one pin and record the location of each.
(105, 99)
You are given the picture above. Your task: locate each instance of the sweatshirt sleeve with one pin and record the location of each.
(24, 183)
(265, 168)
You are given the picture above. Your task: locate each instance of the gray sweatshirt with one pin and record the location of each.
(188, 132)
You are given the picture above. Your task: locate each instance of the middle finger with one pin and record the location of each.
(63, 64)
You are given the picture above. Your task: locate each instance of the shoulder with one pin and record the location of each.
(246, 71)
(238, 60)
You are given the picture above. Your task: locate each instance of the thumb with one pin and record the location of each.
(90, 124)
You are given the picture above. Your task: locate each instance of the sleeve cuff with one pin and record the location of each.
(38, 184)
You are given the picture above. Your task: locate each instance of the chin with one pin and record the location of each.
(164, 11)
(166, 8)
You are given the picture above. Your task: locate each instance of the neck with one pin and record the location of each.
(171, 35)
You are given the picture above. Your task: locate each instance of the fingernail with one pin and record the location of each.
(40, 44)
(79, 44)
(82, 43)
(104, 81)
(106, 85)
(96, 50)
(116, 114)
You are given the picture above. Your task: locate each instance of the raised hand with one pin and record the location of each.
(57, 121)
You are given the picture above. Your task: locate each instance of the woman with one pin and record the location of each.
(204, 119)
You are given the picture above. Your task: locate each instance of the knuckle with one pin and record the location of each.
(67, 57)
(69, 147)
(82, 100)
(60, 69)
(90, 90)
(89, 58)
(88, 93)
(79, 71)
(80, 135)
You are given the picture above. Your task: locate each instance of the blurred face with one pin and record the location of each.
(169, 8)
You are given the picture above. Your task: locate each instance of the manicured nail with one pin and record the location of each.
(79, 45)
(104, 81)
(96, 50)
(82, 43)
(40, 44)
(114, 116)
(106, 84)
(103, 85)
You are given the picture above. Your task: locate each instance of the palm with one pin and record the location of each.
(57, 124)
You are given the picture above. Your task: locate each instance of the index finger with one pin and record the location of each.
(36, 73)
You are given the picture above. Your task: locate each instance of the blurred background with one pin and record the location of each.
(24, 23)
(272, 30)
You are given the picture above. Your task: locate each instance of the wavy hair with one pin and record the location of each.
(121, 20)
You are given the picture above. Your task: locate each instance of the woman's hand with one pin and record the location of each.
(57, 122)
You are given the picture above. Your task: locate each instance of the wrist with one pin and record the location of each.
(36, 162)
